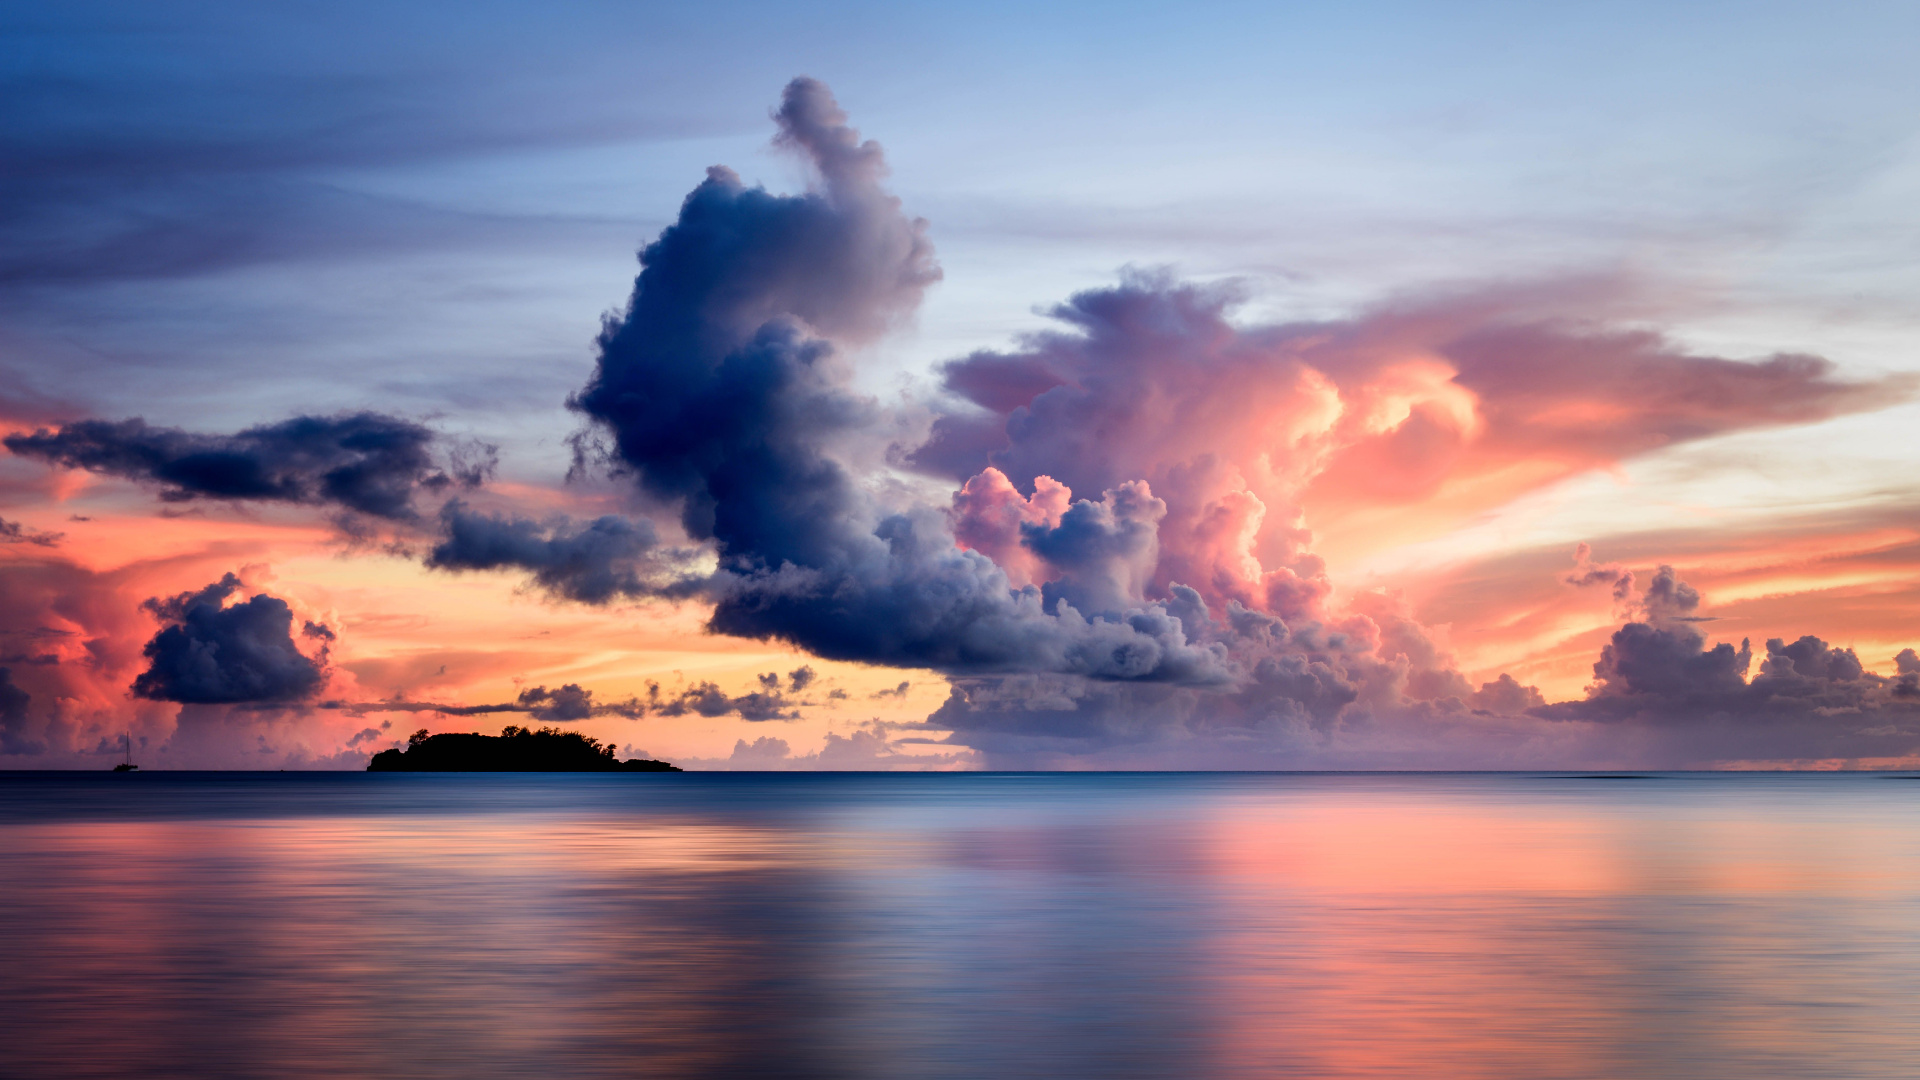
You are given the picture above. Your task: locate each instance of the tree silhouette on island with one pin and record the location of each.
(515, 749)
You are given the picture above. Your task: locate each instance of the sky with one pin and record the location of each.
(901, 386)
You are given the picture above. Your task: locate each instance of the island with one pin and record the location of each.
(515, 749)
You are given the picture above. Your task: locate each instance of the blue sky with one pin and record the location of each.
(318, 190)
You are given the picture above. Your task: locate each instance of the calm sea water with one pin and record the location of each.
(968, 926)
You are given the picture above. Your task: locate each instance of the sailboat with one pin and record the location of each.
(128, 765)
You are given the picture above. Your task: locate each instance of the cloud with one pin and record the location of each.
(1126, 573)
(1245, 432)
(592, 562)
(567, 702)
(209, 653)
(763, 751)
(1182, 611)
(72, 636)
(797, 680)
(571, 701)
(1299, 693)
(707, 699)
(12, 532)
(722, 391)
(1104, 552)
(1662, 697)
(1668, 599)
(76, 638)
(1809, 700)
(870, 748)
(1586, 572)
(992, 517)
(1505, 696)
(1454, 402)
(367, 736)
(365, 462)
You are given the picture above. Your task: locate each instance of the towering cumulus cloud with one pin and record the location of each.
(1124, 575)
(724, 393)
(211, 653)
(1459, 402)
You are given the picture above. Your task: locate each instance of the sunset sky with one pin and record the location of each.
(1371, 386)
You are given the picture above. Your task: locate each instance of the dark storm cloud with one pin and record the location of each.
(592, 562)
(722, 392)
(215, 654)
(366, 461)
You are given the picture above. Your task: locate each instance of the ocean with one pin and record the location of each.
(1195, 926)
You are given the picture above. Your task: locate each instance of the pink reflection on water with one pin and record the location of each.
(383, 947)
(1377, 937)
(1086, 927)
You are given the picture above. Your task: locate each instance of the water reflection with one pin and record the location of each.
(947, 926)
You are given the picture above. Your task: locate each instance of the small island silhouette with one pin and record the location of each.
(515, 749)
